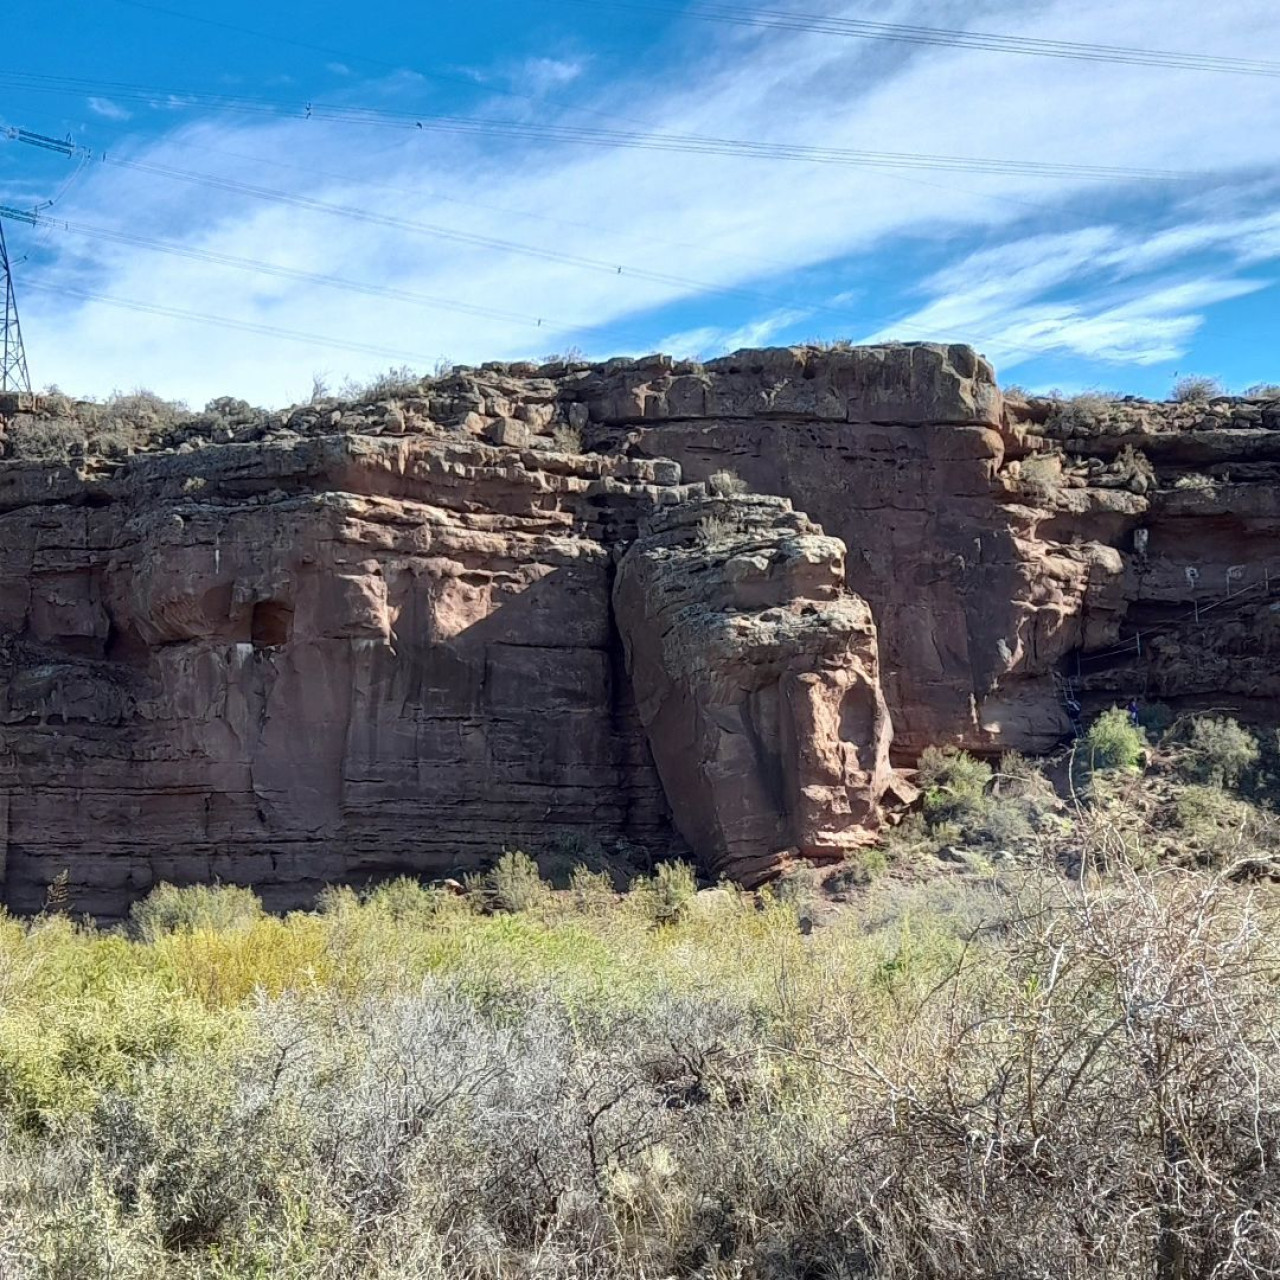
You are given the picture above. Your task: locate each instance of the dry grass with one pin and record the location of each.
(1040, 477)
(1196, 389)
(726, 484)
(1013, 1076)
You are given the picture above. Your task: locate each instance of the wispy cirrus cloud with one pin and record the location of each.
(1103, 293)
(709, 340)
(702, 252)
(109, 110)
(544, 75)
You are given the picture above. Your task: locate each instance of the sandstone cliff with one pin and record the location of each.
(503, 607)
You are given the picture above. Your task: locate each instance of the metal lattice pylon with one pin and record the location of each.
(13, 359)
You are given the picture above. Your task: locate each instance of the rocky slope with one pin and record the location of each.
(521, 605)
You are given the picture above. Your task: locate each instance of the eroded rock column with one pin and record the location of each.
(756, 675)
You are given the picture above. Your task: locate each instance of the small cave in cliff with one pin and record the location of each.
(271, 624)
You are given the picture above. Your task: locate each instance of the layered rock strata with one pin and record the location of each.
(295, 663)
(357, 638)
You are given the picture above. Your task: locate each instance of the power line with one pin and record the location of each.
(355, 213)
(344, 55)
(282, 272)
(856, 28)
(225, 322)
(692, 144)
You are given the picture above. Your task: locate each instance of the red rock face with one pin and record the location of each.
(354, 640)
(756, 673)
(344, 658)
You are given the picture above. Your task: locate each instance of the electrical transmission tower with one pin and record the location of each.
(13, 359)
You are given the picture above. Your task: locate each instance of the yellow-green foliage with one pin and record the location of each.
(673, 1084)
(514, 884)
(168, 909)
(665, 896)
(82, 1011)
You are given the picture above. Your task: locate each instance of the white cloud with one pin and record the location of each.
(544, 75)
(708, 340)
(1068, 268)
(998, 296)
(109, 110)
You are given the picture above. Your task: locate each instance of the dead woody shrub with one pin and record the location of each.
(1107, 1102)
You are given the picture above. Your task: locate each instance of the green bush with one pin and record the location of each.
(408, 901)
(665, 896)
(864, 866)
(1113, 742)
(799, 889)
(592, 891)
(515, 884)
(954, 784)
(374, 1093)
(1005, 825)
(1217, 751)
(169, 909)
(1206, 811)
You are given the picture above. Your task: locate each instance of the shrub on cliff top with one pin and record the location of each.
(396, 381)
(1079, 414)
(1196, 389)
(47, 441)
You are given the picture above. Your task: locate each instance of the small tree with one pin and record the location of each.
(666, 896)
(515, 884)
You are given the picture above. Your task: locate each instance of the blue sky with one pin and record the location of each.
(460, 237)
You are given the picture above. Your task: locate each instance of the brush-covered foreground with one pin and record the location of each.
(1006, 1072)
